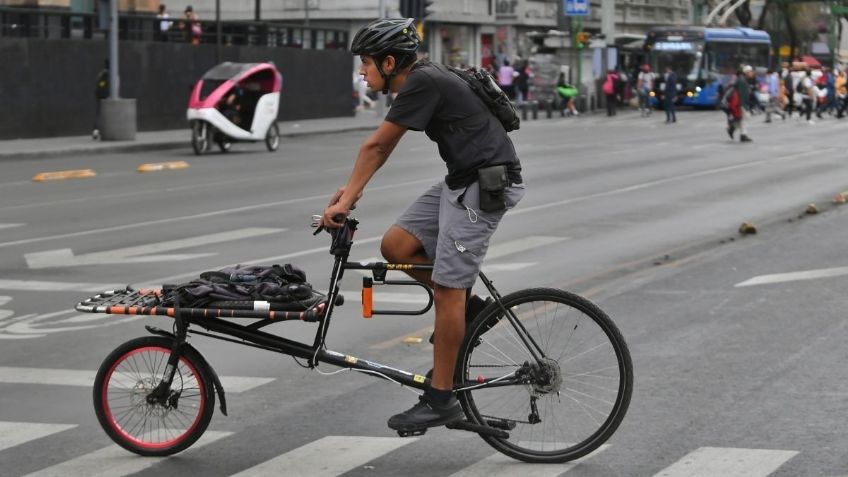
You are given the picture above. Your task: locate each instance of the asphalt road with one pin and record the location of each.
(639, 215)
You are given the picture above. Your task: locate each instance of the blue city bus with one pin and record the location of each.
(704, 59)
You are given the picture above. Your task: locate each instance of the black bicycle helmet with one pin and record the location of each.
(388, 36)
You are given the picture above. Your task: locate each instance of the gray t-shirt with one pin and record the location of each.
(434, 100)
(647, 80)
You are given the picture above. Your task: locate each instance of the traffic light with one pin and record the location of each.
(418, 9)
(582, 39)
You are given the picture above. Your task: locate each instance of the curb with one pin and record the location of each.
(100, 148)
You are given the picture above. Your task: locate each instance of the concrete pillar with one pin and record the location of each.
(118, 120)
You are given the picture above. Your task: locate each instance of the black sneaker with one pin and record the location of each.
(473, 307)
(730, 131)
(744, 138)
(426, 414)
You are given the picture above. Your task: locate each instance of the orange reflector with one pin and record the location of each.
(62, 175)
(161, 166)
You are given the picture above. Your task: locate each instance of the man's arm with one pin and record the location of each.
(372, 155)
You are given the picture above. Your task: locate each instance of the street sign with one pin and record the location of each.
(576, 7)
(839, 9)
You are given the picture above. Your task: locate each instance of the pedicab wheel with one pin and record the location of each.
(200, 137)
(224, 146)
(145, 426)
(272, 137)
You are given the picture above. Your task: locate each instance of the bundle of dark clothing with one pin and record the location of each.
(276, 284)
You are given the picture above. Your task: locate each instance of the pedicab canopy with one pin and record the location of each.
(258, 77)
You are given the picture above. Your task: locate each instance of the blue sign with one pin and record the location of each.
(576, 7)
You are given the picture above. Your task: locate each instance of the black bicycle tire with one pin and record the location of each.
(203, 374)
(482, 324)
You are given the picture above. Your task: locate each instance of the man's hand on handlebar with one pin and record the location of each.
(336, 211)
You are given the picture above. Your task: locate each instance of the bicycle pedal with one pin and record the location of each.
(418, 432)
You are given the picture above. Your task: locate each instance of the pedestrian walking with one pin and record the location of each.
(773, 90)
(788, 90)
(567, 92)
(164, 24)
(522, 80)
(506, 77)
(841, 86)
(644, 86)
(669, 95)
(736, 99)
(609, 87)
(805, 89)
(101, 92)
(450, 225)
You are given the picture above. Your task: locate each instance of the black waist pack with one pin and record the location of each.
(493, 182)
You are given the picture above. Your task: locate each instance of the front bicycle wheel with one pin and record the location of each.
(146, 426)
(557, 408)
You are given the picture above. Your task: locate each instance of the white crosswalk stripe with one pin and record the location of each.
(499, 465)
(328, 457)
(74, 377)
(332, 456)
(17, 433)
(114, 461)
(728, 462)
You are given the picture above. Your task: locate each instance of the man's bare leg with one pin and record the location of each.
(450, 331)
(400, 246)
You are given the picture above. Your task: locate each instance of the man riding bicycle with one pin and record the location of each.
(451, 223)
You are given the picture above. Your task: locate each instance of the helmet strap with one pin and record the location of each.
(387, 78)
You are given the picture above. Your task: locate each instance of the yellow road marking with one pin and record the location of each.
(161, 166)
(62, 175)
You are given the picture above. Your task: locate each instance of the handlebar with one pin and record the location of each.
(342, 236)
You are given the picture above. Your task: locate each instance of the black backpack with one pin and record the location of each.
(485, 87)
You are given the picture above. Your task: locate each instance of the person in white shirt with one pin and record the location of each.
(644, 86)
(164, 23)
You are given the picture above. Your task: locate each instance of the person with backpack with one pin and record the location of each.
(101, 92)
(609, 91)
(451, 223)
(734, 101)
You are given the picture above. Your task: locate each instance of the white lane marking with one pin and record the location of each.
(17, 433)
(499, 465)
(83, 378)
(327, 457)
(645, 185)
(204, 215)
(37, 285)
(113, 460)
(727, 462)
(142, 253)
(521, 245)
(9, 226)
(794, 276)
(507, 267)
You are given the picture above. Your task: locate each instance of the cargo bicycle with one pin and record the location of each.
(543, 375)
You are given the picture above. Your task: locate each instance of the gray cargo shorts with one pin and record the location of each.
(454, 231)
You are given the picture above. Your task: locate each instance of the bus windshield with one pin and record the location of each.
(684, 58)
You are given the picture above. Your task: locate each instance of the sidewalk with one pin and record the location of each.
(169, 139)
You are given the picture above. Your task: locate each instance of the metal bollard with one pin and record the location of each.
(523, 107)
(535, 107)
(549, 108)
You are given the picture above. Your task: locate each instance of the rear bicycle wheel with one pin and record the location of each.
(125, 380)
(567, 404)
(200, 137)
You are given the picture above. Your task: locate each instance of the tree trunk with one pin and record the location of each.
(761, 22)
(790, 29)
(743, 13)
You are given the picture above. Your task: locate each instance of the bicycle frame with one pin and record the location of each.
(316, 353)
